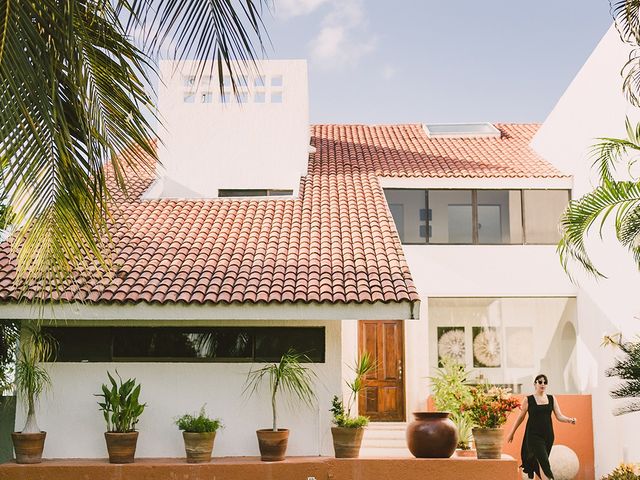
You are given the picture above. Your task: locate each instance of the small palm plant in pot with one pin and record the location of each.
(348, 430)
(121, 408)
(199, 432)
(289, 376)
(32, 379)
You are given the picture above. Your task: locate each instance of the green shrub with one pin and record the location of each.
(624, 471)
(450, 392)
(120, 405)
(198, 424)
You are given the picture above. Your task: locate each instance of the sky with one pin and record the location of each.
(415, 61)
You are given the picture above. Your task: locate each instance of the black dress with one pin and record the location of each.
(538, 438)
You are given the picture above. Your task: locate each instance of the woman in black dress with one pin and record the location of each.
(538, 435)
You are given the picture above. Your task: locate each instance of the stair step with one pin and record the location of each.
(385, 453)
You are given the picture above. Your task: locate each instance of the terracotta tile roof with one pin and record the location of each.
(407, 151)
(335, 243)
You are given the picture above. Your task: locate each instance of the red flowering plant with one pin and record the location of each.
(490, 406)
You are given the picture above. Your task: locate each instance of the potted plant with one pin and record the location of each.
(450, 393)
(291, 376)
(31, 380)
(348, 430)
(198, 432)
(488, 408)
(121, 409)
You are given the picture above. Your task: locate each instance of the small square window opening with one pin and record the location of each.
(276, 97)
(276, 81)
(259, 97)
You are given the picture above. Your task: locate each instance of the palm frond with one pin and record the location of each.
(619, 198)
(73, 91)
(626, 14)
(609, 152)
(225, 30)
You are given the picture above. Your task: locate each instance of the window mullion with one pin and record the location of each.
(474, 216)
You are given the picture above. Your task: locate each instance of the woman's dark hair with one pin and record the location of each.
(543, 376)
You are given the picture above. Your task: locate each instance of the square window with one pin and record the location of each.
(225, 97)
(243, 97)
(189, 80)
(276, 97)
(260, 81)
(241, 81)
(189, 98)
(206, 97)
(226, 80)
(259, 97)
(276, 81)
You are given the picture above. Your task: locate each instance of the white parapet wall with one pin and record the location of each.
(214, 138)
(69, 411)
(593, 107)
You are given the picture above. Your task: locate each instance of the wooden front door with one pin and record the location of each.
(382, 398)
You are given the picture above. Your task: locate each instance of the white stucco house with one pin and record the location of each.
(258, 232)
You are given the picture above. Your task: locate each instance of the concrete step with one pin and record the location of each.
(382, 439)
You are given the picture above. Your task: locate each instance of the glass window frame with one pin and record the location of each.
(474, 213)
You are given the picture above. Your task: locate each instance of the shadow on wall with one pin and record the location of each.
(560, 361)
(7, 421)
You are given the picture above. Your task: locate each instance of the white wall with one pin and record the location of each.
(69, 413)
(593, 106)
(208, 146)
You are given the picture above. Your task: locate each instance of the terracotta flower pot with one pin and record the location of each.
(273, 445)
(432, 435)
(198, 446)
(468, 453)
(488, 442)
(28, 446)
(347, 441)
(121, 446)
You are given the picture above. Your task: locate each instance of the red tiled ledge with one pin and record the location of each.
(242, 468)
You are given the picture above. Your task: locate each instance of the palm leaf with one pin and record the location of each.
(74, 93)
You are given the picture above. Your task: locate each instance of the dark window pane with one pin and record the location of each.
(81, 344)
(499, 216)
(409, 213)
(242, 193)
(271, 344)
(180, 343)
(542, 212)
(451, 216)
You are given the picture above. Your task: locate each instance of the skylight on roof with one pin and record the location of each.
(461, 130)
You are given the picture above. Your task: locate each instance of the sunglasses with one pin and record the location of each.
(542, 382)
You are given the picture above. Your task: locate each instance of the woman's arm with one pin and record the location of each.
(559, 415)
(523, 412)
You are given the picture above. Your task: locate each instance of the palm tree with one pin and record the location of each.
(626, 14)
(611, 199)
(74, 90)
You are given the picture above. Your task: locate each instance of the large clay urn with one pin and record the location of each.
(273, 445)
(432, 435)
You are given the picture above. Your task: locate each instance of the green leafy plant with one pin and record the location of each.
(31, 378)
(199, 423)
(627, 368)
(120, 406)
(341, 417)
(9, 332)
(450, 393)
(624, 471)
(289, 375)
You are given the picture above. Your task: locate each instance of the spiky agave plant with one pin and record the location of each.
(289, 376)
(31, 378)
